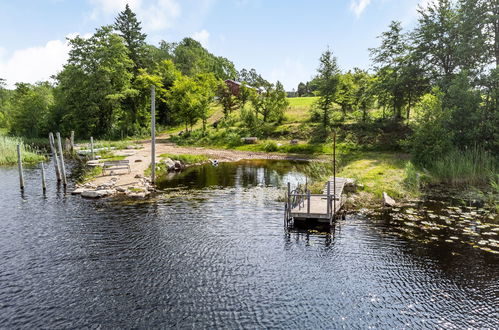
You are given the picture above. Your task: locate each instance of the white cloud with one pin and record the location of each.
(159, 15)
(358, 6)
(35, 63)
(154, 14)
(202, 36)
(290, 73)
(113, 6)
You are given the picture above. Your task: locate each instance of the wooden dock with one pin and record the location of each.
(324, 208)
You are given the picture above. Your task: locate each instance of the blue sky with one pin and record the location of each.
(281, 39)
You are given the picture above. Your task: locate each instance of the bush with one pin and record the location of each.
(431, 138)
(270, 146)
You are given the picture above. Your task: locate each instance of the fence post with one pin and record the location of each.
(63, 167)
(20, 167)
(55, 157)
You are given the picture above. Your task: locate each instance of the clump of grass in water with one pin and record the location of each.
(8, 151)
(473, 166)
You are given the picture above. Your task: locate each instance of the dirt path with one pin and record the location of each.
(141, 158)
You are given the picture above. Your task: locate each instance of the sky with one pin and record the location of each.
(281, 39)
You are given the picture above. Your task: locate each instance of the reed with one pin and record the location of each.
(8, 152)
(470, 167)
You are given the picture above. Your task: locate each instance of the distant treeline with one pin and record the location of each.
(104, 88)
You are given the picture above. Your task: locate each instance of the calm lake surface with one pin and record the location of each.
(211, 252)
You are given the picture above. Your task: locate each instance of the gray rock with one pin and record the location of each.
(388, 201)
(78, 191)
(97, 193)
(350, 185)
(179, 166)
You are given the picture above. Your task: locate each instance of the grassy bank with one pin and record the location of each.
(8, 151)
(375, 173)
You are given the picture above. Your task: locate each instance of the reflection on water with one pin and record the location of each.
(215, 254)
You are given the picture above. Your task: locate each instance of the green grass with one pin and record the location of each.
(8, 151)
(89, 173)
(299, 109)
(185, 158)
(379, 172)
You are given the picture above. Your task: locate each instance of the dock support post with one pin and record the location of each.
(92, 148)
(55, 157)
(63, 167)
(328, 198)
(20, 167)
(289, 199)
(153, 133)
(44, 183)
(308, 201)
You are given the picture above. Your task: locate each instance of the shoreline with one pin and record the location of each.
(136, 185)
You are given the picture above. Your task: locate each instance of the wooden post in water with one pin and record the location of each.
(334, 174)
(92, 148)
(44, 184)
(72, 140)
(328, 198)
(289, 199)
(153, 134)
(55, 157)
(20, 167)
(63, 167)
(308, 201)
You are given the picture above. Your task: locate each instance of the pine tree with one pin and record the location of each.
(328, 79)
(129, 28)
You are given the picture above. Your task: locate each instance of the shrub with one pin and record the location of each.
(270, 146)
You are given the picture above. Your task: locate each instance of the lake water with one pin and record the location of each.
(211, 251)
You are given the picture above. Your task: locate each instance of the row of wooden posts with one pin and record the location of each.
(58, 156)
(60, 168)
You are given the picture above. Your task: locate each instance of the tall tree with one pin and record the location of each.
(270, 102)
(363, 94)
(327, 84)
(129, 28)
(226, 98)
(93, 85)
(30, 109)
(387, 60)
(345, 94)
(437, 40)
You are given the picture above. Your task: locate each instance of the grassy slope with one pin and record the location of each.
(378, 171)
